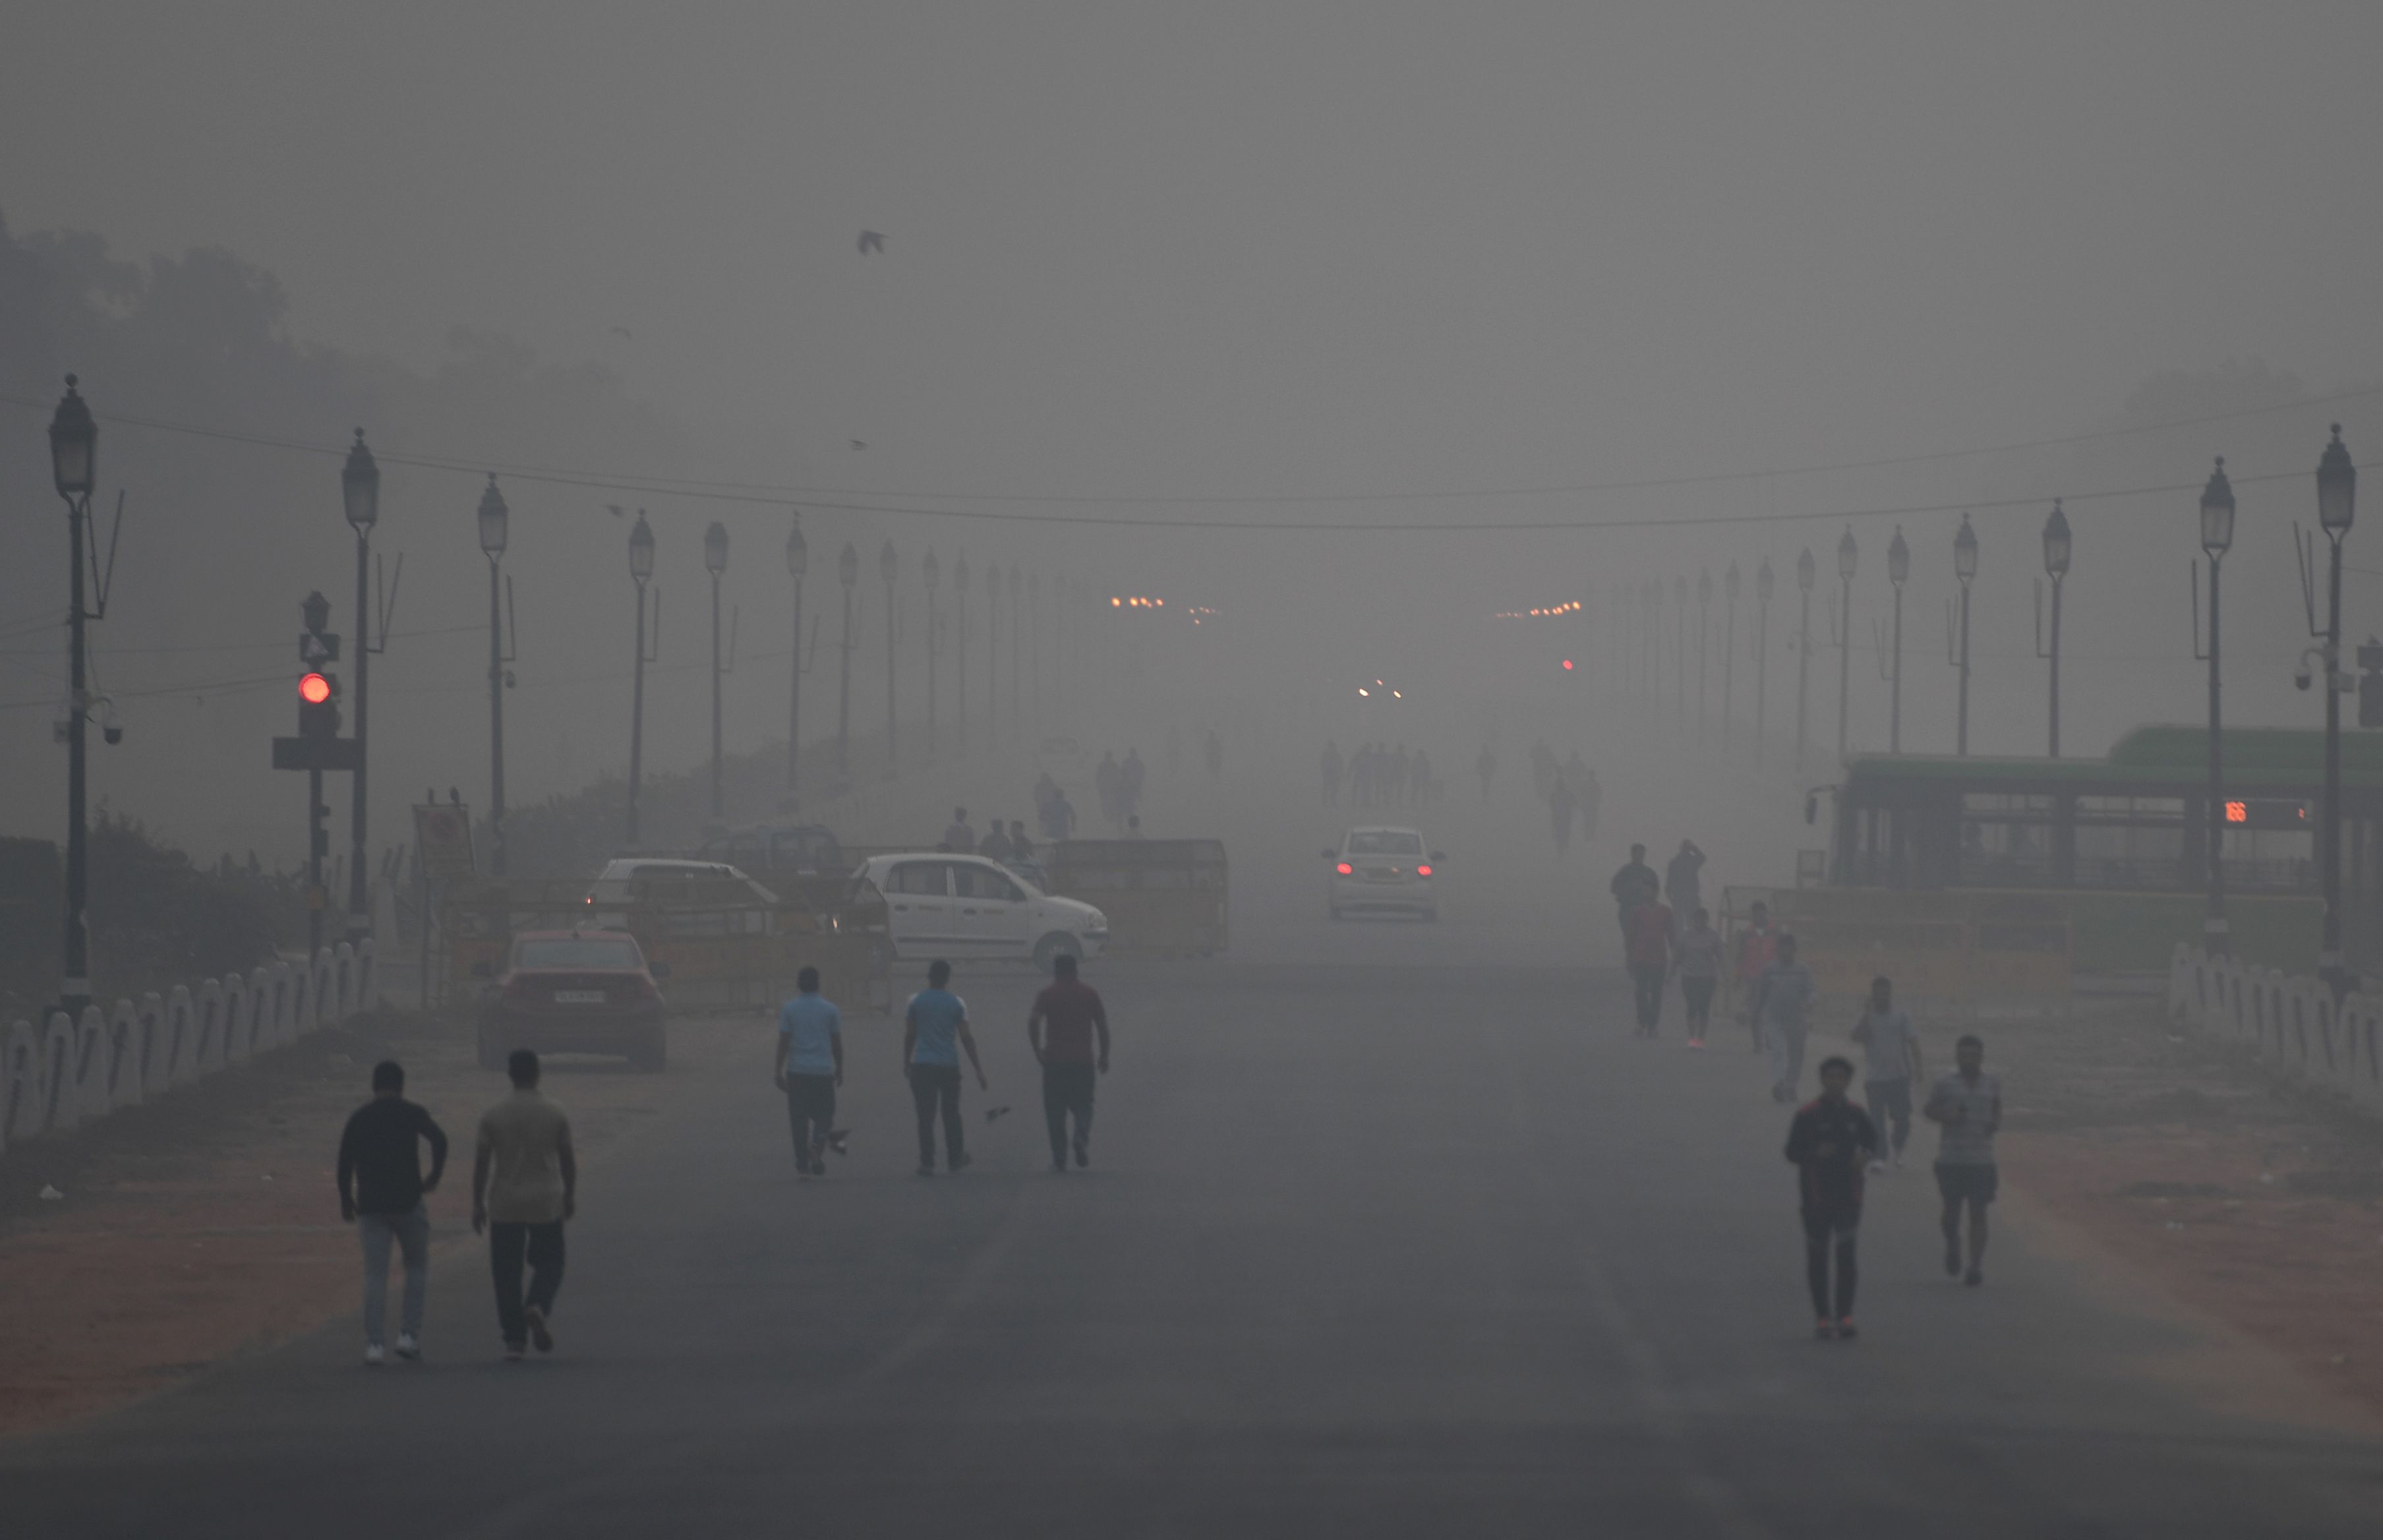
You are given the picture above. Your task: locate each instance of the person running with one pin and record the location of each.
(1632, 884)
(808, 1068)
(1828, 1142)
(1890, 1063)
(1699, 962)
(934, 1028)
(1074, 1016)
(1758, 948)
(1782, 1003)
(381, 1189)
(525, 1185)
(1651, 961)
(959, 838)
(1968, 1105)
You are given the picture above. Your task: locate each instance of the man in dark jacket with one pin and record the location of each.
(381, 1187)
(1829, 1143)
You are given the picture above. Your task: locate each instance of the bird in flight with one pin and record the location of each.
(615, 510)
(620, 331)
(859, 443)
(871, 242)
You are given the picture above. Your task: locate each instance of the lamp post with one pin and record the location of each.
(798, 561)
(2216, 539)
(641, 572)
(1761, 651)
(2337, 505)
(1680, 649)
(495, 531)
(2055, 567)
(992, 651)
(960, 634)
(360, 496)
(1806, 572)
(1845, 556)
(74, 468)
(1016, 612)
(847, 572)
(1704, 637)
(887, 568)
(1729, 653)
(1965, 568)
(1899, 568)
(930, 571)
(1035, 644)
(715, 562)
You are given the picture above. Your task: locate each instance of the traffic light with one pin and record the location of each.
(318, 705)
(2370, 684)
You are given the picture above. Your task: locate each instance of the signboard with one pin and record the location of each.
(316, 753)
(442, 832)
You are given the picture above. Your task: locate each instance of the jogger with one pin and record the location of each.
(1829, 1142)
(809, 1068)
(1891, 1062)
(1968, 1105)
(1782, 999)
(934, 1028)
(381, 1189)
(1073, 1012)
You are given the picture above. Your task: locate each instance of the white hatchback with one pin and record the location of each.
(1383, 869)
(940, 905)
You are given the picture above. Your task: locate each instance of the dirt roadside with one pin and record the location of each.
(207, 1224)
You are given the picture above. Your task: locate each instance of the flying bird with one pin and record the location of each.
(620, 331)
(859, 443)
(871, 242)
(615, 510)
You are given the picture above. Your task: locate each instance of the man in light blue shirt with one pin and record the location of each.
(809, 1068)
(934, 1028)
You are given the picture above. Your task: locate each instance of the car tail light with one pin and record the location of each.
(1345, 870)
(1423, 871)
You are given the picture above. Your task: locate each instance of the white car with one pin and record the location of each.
(940, 905)
(730, 901)
(1383, 869)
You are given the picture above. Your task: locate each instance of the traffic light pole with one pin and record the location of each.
(359, 916)
(76, 993)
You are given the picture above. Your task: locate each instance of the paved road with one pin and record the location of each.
(1366, 1251)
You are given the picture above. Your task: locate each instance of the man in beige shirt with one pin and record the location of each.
(525, 1184)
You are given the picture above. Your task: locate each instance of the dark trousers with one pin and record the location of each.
(510, 1243)
(1826, 1231)
(933, 1086)
(1067, 1087)
(1649, 980)
(1699, 994)
(810, 1112)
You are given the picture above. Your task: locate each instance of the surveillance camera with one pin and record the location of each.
(2301, 679)
(113, 732)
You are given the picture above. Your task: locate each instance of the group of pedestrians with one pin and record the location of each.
(1005, 845)
(1568, 788)
(1380, 776)
(1119, 785)
(1667, 932)
(524, 1187)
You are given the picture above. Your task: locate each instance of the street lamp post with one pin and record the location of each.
(715, 562)
(495, 531)
(992, 651)
(1965, 568)
(1806, 571)
(1704, 638)
(1899, 568)
(1017, 612)
(847, 572)
(1761, 651)
(74, 467)
(360, 495)
(2337, 505)
(2216, 539)
(1034, 645)
(641, 572)
(887, 568)
(2055, 567)
(1729, 654)
(798, 561)
(1680, 648)
(931, 571)
(960, 636)
(1845, 556)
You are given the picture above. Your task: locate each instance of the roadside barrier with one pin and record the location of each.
(67, 1072)
(2287, 1020)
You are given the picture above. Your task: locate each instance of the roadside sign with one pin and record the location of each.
(442, 832)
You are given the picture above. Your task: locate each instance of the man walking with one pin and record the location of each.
(959, 838)
(1650, 960)
(1684, 880)
(995, 844)
(1968, 1105)
(809, 1066)
(525, 1184)
(1783, 998)
(1758, 948)
(934, 1028)
(1073, 1014)
(381, 1187)
(1700, 965)
(1890, 1063)
(1827, 1143)
(1632, 884)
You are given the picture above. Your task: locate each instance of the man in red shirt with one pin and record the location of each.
(1073, 1012)
(1651, 959)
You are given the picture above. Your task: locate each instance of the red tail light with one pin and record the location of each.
(1345, 870)
(1423, 871)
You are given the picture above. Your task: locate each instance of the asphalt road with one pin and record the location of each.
(1365, 1250)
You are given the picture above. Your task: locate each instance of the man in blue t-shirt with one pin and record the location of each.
(934, 1028)
(809, 1068)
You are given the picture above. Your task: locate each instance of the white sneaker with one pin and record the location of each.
(373, 1355)
(408, 1348)
(1878, 1168)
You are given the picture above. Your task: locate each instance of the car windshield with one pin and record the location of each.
(1383, 841)
(576, 951)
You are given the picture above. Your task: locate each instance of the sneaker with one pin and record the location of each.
(819, 1167)
(1083, 1153)
(513, 1352)
(1697, 1043)
(1952, 1259)
(961, 1161)
(1826, 1331)
(373, 1357)
(1058, 1167)
(1846, 1332)
(1973, 1278)
(1878, 1168)
(535, 1319)
(835, 1140)
(409, 1346)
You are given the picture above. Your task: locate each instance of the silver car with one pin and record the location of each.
(1384, 870)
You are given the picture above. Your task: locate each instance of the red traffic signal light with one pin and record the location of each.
(1567, 664)
(314, 689)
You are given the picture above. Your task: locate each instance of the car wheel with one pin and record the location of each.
(491, 1056)
(1052, 946)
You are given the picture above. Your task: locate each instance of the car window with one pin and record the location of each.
(922, 878)
(1383, 841)
(576, 951)
(663, 874)
(975, 882)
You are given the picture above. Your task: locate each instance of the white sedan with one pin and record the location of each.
(940, 905)
(1383, 869)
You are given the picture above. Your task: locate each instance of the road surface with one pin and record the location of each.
(1366, 1250)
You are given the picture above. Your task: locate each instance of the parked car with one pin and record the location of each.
(574, 991)
(940, 905)
(1383, 869)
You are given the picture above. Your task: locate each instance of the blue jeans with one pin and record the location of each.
(412, 1232)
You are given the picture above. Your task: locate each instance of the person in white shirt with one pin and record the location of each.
(1891, 1062)
(1968, 1105)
